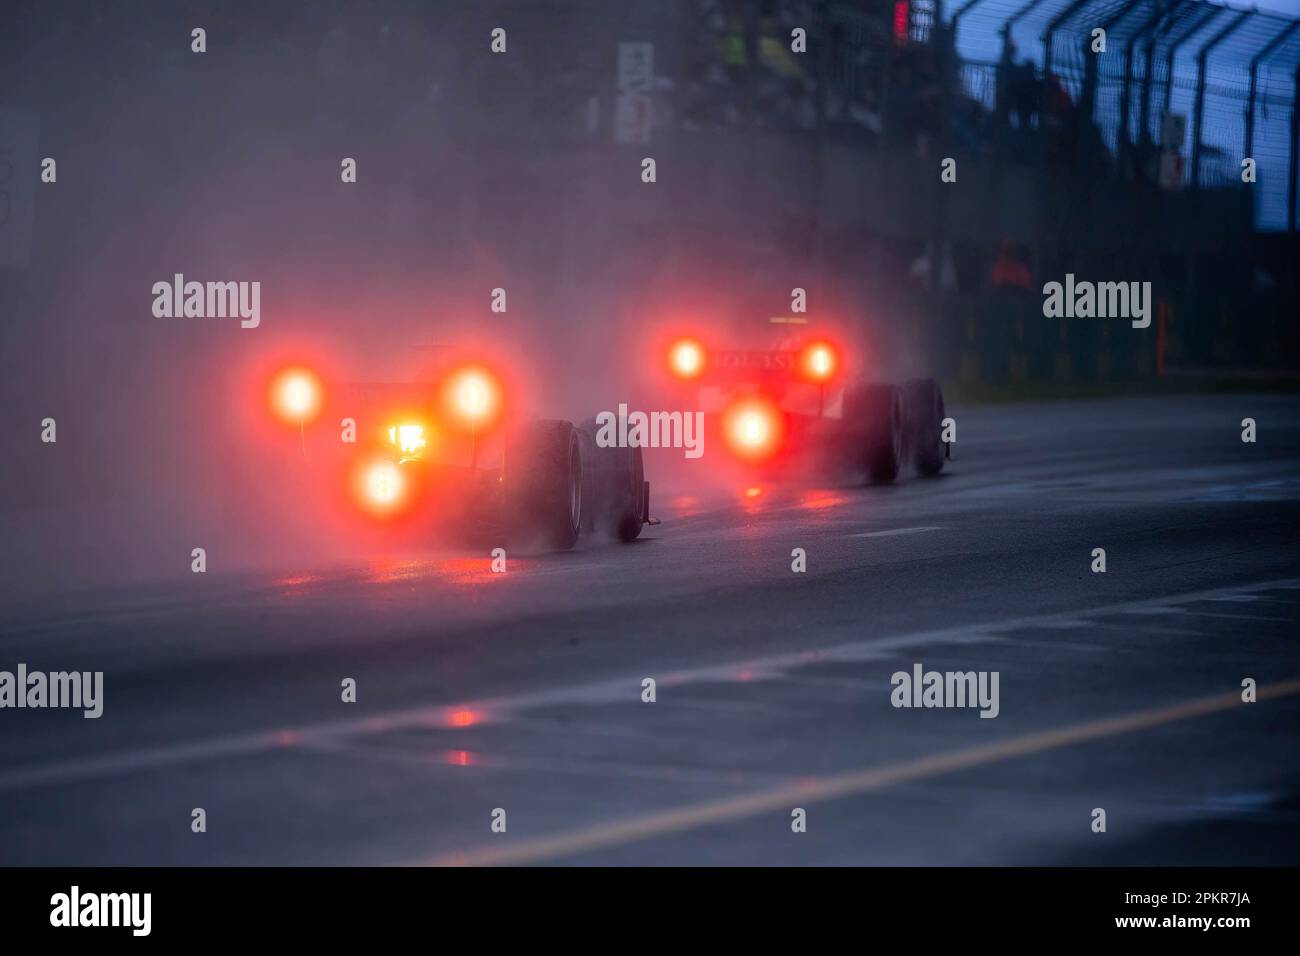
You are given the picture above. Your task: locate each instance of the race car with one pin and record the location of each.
(450, 457)
(798, 407)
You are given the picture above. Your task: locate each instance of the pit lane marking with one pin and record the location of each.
(838, 786)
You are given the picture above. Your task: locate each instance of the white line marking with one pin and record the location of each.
(623, 688)
(892, 532)
(1237, 617)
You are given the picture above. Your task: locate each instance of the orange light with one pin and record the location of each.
(753, 427)
(818, 362)
(686, 358)
(474, 395)
(296, 395)
(409, 439)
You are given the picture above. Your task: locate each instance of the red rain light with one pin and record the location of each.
(473, 396)
(296, 395)
(818, 362)
(686, 358)
(753, 428)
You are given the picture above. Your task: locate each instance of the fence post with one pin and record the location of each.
(1048, 35)
(1198, 115)
(1122, 143)
(1173, 49)
(1295, 161)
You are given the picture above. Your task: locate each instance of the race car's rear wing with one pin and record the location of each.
(814, 363)
(729, 365)
(805, 379)
(367, 395)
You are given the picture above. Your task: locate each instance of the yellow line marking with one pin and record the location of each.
(605, 835)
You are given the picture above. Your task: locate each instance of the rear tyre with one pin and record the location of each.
(616, 505)
(543, 477)
(887, 449)
(923, 400)
(873, 414)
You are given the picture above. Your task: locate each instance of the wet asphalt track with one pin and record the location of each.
(523, 691)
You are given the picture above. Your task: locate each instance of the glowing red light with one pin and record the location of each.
(384, 483)
(296, 395)
(753, 427)
(900, 20)
(473, 396)
(818, 362)
(686, 358)
(380, 488)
